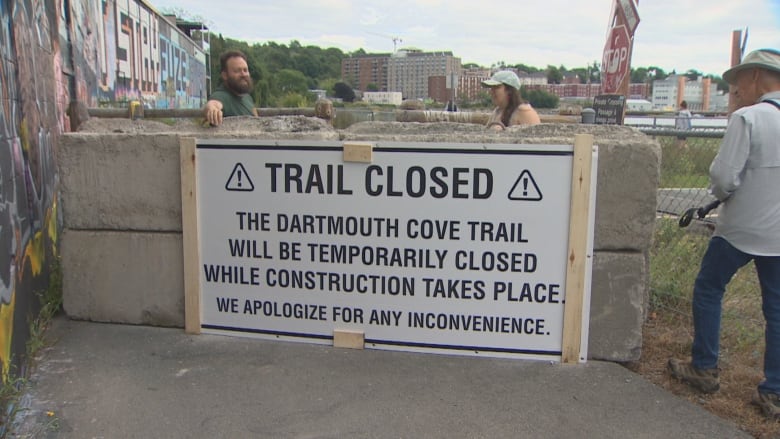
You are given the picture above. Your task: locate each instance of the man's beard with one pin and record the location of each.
(239, 86)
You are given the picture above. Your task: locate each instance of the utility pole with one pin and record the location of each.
(737, 50)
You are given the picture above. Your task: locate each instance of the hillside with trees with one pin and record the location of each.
(285, 74)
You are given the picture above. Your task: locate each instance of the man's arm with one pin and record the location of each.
(726, 169)
(212, 112)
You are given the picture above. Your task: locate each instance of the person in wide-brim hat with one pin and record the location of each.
(746, 76)
(510, 109)
(744, 177)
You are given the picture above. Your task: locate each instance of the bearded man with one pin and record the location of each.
(231, 98)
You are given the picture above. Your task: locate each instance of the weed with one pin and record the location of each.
(50, 301)
(10, 394)
(687, 167)
(11, 391)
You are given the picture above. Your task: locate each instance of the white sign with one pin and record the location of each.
(452, 248)
(628, 8)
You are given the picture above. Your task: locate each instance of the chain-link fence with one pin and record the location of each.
(677, 251)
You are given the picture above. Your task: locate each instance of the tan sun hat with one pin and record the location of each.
(506, 77)
(768, 59)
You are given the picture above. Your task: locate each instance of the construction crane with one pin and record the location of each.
(396, 40)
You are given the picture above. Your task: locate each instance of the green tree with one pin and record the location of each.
(554, 75)
(595, 72)
(327, 84)
(539, 98)
(290, 81)
(372, 87)
(582, 74)
(720, 82)
(692, 74)
(639, 75)
(526, 68)
(343, 91)
(483, 99)
(295, 100)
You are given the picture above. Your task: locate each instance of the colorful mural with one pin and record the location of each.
(29, 129)
(123, 50)
(52, 52)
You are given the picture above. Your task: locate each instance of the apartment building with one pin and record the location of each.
(700, 93)
(422, 75)
(408, 71)
(361, 70)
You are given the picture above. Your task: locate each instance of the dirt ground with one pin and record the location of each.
(670, 335)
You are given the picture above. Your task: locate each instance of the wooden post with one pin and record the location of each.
(578, 248)
(344, 338)
(189, 225)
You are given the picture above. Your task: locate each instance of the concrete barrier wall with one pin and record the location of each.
(121, 203)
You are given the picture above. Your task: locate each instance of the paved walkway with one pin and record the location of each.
(119, 381)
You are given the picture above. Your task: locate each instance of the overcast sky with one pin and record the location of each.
(672, 34)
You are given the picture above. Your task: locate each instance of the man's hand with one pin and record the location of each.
(212, 112)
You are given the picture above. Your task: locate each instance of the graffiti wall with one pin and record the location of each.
(102, 52)
(30, 124)
(124, 50)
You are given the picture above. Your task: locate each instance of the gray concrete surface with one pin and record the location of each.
(120, 381)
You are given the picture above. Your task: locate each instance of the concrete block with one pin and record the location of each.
(626, 199)
(123, 277)
(619, 297)
(121, 174)
(120, 181)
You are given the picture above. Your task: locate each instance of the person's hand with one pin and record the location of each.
(496, 126)
(213, 113)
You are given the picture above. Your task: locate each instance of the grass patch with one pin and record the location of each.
(687, 166)
(50, 301)
(675, 259)
(11, 391)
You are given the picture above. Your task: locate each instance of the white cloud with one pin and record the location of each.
(672, 34)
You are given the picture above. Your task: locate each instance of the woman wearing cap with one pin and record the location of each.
(510, 109)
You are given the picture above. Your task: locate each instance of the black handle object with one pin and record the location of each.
(700, 213)
(703, 211)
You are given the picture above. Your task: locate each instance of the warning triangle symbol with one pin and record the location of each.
(239, 180)
(525, 188)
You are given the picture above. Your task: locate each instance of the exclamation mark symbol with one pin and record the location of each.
(525, 186)
(239, 180)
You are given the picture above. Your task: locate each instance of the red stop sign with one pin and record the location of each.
(614, 65)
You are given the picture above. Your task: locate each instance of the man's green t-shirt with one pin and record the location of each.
(233, 105)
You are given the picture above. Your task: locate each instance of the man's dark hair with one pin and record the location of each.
(223, 59)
